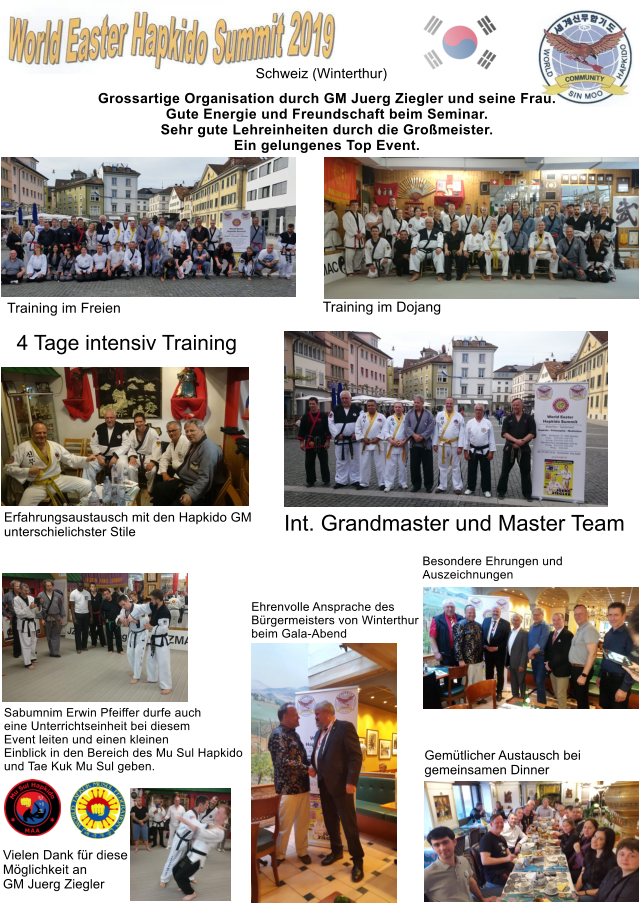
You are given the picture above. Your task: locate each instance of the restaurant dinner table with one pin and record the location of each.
(535, 858)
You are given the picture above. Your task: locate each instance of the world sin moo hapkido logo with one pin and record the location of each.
(585, 57)
(32, 808)
(97, 810)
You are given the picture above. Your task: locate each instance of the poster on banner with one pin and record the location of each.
(236, 228)
(559, 453)
(345, 701)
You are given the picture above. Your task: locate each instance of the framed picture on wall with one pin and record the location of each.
(150, 587)
(565, 178)
(574, 178)
(551, 195)
(592, 178)
(384, 749)
(484, 187)
(609, 178)
(394, 744)
(527, 621)
(633, 237)
(600, 178)
(550, 175)
(372, 740)
(10, 388)
(583, 178)
(623, 185)
(152, 578)
(362, 745)
(442, 808)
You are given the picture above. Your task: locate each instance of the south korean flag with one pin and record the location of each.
(466, 42)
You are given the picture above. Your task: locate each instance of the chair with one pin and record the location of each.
(265, 843)
(255, 874)
(483, 689)
(76, 447)
(454, 692)
(463, 706)
(475, 836)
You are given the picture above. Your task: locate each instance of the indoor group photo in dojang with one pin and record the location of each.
(524, 841)
(548, 647)
(465, 227)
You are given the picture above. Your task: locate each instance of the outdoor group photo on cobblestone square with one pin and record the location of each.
(149, 226)
(508, 418)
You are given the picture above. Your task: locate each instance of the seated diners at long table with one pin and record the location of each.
(576, 861)
(497, 860)
(622, 882)
(513, 834)
(568, 838)
(450, 878)
(598, 861)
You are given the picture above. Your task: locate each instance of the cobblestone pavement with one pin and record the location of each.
(297, 494)
(151, 287)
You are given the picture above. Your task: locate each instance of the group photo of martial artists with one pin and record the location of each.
(133, 627)
(191, 831)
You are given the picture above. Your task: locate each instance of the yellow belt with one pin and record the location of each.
(52, 489)
(443, 443)
(494, 255)
(390, 451)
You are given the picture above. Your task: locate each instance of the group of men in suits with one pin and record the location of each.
(336, 762)
(498, 644)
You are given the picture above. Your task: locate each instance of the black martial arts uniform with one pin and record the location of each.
(518, 429)
(315, 434)
(401, 248)
(454, 242)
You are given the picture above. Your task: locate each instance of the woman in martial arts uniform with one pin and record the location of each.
(25, 608)
(203, 839)
(158, 659)
(183, 836)
(54, 261)
(83, 266)
(246, 263)
(66, 267)
(135, 618)
(599, 260)
(38, 266)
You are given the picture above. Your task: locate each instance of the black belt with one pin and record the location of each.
(199, 852)
(477, 449)
(135, 634)
(27, 621)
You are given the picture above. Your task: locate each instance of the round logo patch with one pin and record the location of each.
(305, 705)
(560, 405)
(97, 810)
(32, 808)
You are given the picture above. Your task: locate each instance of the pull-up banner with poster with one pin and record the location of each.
(559, 453)
(236, 228)
(345, 701)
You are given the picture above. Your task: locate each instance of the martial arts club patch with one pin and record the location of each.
(305, 705)
(585, 57)
(97, 810)
(32, 808)
(560, 405)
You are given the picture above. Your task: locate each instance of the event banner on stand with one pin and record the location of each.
(345, 701)
(559, 453)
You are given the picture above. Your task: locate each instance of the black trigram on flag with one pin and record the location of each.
(486, 59)
(432, 59)
(486, 25)
(433, 25)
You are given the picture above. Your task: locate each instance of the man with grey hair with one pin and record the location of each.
(517, 656)
(342, 422)
(496, 631)
(537, 638)
(107, 443)
(196, 475)
(291, 774)
(337, 762)
(419, 428)
(8, 612)
(173, 458)
(468, 646)
(479, 448)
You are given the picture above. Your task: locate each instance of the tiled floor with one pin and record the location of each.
(214, 880)
(314, 882)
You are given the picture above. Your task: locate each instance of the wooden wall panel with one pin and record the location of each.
(471, 179)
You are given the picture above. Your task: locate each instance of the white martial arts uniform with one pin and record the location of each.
(204, 838)
(447, 221)
(174, 455)
(133, 258)
(566, 476)
(474, 243)
(247, 266)
(466, 224)
(37, 266)
(415, 223)
(121, 466)
(504, 223)
(287, 254)
(28, 241)
(395, 227)
(176, 238)
(483, 223)
(136, 643)
(376, 255)
(496, 243)
(144, 451)
(50, 478)
(353, 223)
(27, 626)
(543, 245)
(164, 236)
(127, 233)
(395, 457)
(371, 428)
(116, 233)
(215, 237)
(332, 238)
(181, 840)
(427, 244)
(449, 435)
(387, 221)
(158, 658)
(84, 264)
(173, 822)
(346, 467)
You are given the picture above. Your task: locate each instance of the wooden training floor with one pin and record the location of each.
(214, 880)
(93, 676)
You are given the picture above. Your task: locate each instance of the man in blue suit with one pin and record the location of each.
(496, 631)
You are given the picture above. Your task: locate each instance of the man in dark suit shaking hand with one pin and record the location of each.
(496, 632)
(337, 761)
